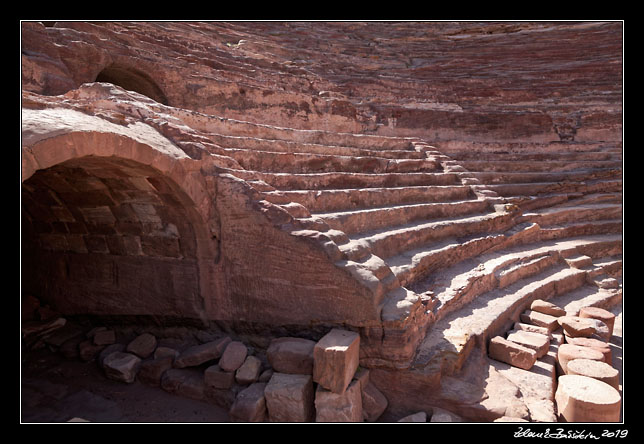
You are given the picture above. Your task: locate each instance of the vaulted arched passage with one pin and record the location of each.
(113, 235)
(132, 80)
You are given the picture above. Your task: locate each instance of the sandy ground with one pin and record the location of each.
(55, 389)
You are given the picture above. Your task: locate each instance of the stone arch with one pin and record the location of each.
(110, 227)
(132, 79)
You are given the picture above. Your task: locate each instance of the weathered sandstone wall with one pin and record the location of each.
(541, 82)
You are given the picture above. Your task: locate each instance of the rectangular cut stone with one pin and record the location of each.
(532, 328)
(540, 319)
(501, 349)
(339, 407)
(536, 341)
(291, 355)
(250, 404)
(215, 377)
(289, 398)
(335, 359)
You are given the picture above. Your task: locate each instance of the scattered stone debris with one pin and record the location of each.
(587, 388)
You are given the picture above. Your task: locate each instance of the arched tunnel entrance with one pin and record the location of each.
(109, 236)
(132, 80)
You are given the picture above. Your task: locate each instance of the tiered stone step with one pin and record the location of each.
(451, 339)
(475, 299)
(397, 239)
(579, 217)
(336, 200)
(344, 180)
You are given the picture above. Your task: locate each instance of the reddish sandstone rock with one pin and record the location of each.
(121, 366)
(143, 346)
(540, 319)
(290, 398)
(217, 378)
(536, 341)
(233, 357)
(339, 407)
(414, 417)
(151, 370)
(594, 369)
(568, 352)
(605, 316)
(249, 371)
(584, 399)
(250, 404)
(336, 358)
(104, 337)
(291, 355)
(547, 307)
(374, 403)
(511, 353)
(597, 344)
(203, 353)
(576, 327)
(532, 328)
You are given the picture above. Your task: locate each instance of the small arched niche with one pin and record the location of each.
(132, 80)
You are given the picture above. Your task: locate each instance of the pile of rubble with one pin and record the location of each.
(587, 385)
(293, 380)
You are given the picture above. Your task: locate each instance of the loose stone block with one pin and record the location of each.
(596, 344)
(108, 351)
(121, 366)
(541, 319)
(152, 370)
(249, 371)
(548, 308)
(162, 352)
(335, 359)
(215, 377)
(596, 370)
(104, 337)
(203, 353)
(374, 403)
(536, 341)
(290, 398)
(87, 350)
(511, 353)
(605, 316)
(143, 346)
(584, 399)
(291, 355)
(250, 404)
(233, 356)
(568, 352)
(184, 382)
(442, 415)
(532, 328)
(576, 326)
(415, 417)
(339, 407)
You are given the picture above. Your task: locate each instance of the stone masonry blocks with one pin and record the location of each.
(336, 358)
